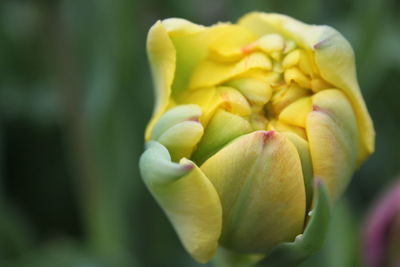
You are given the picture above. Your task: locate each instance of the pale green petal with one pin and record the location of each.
(166, 170)
(182, 138)
(334, 139)
(187, 197)
(262, 192)
(333, 56)
(174, 116)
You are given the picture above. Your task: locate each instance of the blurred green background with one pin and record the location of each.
(75, 96)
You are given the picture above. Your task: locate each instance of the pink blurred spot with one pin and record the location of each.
(378, 224)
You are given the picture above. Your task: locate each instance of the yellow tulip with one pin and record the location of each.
(245, 116)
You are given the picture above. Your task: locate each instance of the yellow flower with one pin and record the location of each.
(246, 115)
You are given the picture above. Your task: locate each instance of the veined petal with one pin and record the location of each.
(262, 182)
(332, 55)
(187, 197)
(334, 139)
(308, 243)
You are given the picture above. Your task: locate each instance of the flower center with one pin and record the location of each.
(280, 97)
(268, 83)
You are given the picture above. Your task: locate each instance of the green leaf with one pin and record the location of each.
(307, 244)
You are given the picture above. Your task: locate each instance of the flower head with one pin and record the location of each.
(246, 115)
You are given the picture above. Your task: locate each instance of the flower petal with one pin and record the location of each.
(209, 72)
(162, 57)
(333, 56)
(334, 139)
(311, 241)
(187, 197)
(174, 116)
(212, 42)
(306, 164)
(182, 138)
(296, 113)
(223, 128)
(261, 180)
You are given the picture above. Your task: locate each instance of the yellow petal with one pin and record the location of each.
(219, 40)
(333, 57)
(233, 101)
(291, 59)
(209, 73)
(187, 197)
(162, 57)
(268, 43)
(296, 113)
(255, 90)
(230, 39)
(180, 27)
(286, 96)
(295, 75)
(258, 177)
(334, 140)
(207, 98)
(223, 128)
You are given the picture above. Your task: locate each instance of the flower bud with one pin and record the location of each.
(246, 115)
(382, 231)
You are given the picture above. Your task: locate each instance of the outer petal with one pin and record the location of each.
(308, 243)
(333, 137)
(261, 180)
(162, 57)
(175, 46)
(333, 56)
(306, 164)
(187, 197)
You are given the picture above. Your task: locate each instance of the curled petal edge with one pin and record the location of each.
(187, 197)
